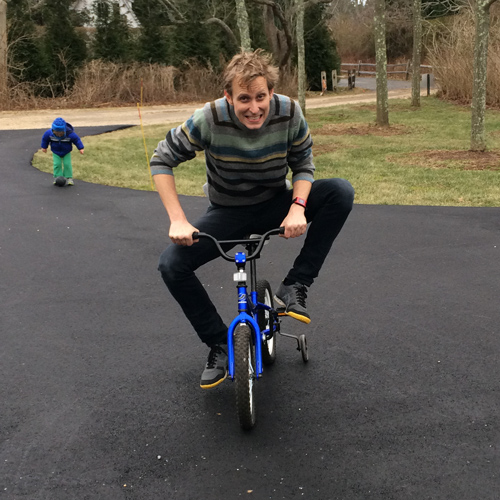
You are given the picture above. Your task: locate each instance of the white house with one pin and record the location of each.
(125, 9)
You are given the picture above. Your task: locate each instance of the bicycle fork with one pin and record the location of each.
(243, 314)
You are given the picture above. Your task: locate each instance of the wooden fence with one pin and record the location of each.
(392, 69)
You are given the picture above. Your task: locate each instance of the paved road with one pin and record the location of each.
(367, 83)
(153, 115)
(100, 371)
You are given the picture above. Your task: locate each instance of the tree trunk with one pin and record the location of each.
(242, 21)
(279, 40)
(478, 139)
(301, 58)
(417, 44)
(271, 31)
(381, 64)
(3, 52)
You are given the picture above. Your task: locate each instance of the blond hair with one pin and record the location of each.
(246, 66)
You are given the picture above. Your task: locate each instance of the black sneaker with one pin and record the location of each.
(292, 299)
(215, 370)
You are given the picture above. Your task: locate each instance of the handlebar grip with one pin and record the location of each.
(195, 235)
(282, 230)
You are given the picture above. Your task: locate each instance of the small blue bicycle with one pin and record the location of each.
(251, 337)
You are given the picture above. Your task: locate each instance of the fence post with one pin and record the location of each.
(351, 79)
(359, 67)
(335, 80)
(323, 82)
(407, 70)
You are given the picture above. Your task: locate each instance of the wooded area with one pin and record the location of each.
(51, 51)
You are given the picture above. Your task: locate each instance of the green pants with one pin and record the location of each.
(62, 166)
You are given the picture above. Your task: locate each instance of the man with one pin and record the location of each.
(251, 138)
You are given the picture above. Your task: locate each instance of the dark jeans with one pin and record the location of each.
(328, 206)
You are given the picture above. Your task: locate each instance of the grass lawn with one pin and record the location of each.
(421, 159)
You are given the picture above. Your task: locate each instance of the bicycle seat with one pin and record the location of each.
(252, 236)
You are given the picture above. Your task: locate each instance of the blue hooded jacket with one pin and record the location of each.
(61, 146)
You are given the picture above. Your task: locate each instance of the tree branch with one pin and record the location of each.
(224, 26)
(310, 3)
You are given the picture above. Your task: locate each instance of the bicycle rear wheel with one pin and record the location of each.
(265, 320)
(244, 375)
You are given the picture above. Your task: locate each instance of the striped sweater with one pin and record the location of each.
(244, 166)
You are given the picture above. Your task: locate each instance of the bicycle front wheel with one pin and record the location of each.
(244, 375)
(265, 321)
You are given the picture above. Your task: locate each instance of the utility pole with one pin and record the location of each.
(3, 51)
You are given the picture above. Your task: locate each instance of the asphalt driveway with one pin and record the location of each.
(100, 371)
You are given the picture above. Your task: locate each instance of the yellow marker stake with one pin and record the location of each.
(145, 147)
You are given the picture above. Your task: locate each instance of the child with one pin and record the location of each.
(61, 138)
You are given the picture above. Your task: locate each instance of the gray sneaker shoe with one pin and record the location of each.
(215, 370)
(292, 300)
(70, 182)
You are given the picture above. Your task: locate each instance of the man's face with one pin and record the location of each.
(251, 103)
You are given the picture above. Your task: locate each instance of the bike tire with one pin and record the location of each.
(264, 318)
(244, 375)
(303, 348)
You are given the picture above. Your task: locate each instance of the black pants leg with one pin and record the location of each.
(328, 207)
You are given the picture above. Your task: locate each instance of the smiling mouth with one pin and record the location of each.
(253, 118)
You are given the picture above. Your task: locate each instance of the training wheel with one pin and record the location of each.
(303, 348)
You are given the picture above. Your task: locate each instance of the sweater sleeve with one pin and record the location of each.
(300, 157)
(75, 139)
(180, 144)
(45, 139)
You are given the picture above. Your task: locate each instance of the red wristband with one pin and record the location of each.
(300, 201)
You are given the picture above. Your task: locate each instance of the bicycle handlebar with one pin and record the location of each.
(260, 240)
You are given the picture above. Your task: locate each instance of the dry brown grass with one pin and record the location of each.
(451, 53)
(337, 129)
(462, 159)
(107, 84)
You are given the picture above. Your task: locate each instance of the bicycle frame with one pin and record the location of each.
(248, 305)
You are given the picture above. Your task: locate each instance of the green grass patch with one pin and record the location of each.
(421, 159)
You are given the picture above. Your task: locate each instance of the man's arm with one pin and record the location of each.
(180, 145)
(181, 231)
(295, 222)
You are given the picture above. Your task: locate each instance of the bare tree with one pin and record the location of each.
(280, 39)
(482, 13)
(3, 50)
(301, 55)
(381, 64)
(225, 27)
(417, 46)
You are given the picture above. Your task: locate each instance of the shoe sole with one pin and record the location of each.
(282, 311)
(215, 384)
